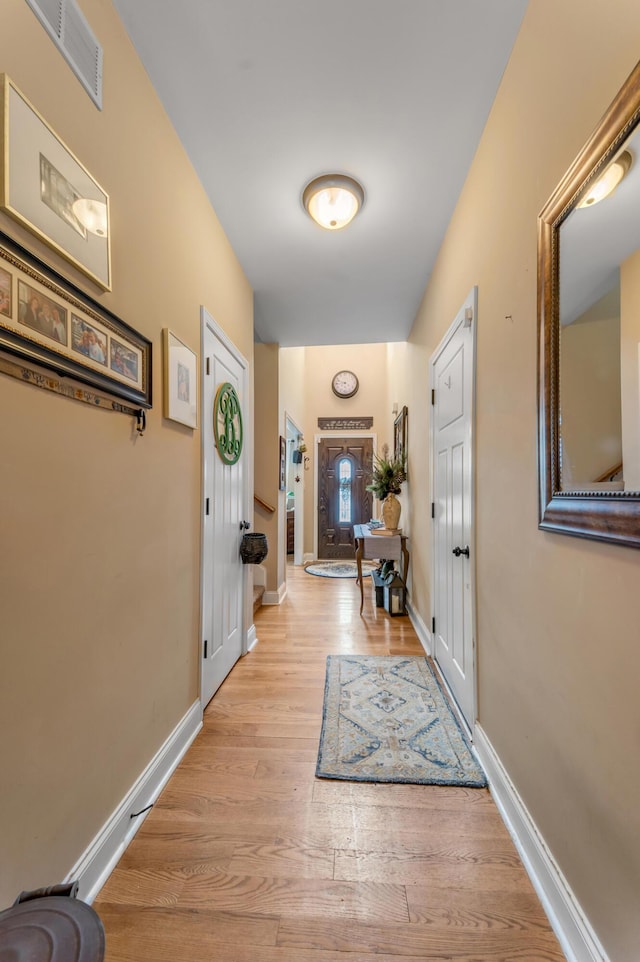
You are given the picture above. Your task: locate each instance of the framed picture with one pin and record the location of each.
(282, 480)
(46, 320)
(46, 189)
(180, 380)
(400, 435)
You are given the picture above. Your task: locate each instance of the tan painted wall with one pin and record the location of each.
(99, 570)
(266, 457)
(630, 368)
(369, 363)
(292, 384)
(557, 626)
(590, 397)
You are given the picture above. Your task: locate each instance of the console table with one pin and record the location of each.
(391, 547)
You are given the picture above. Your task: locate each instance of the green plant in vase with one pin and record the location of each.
(387, 477)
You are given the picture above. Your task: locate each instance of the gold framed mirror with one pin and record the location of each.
(589, 335)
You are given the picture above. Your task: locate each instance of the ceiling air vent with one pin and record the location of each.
(66, 25)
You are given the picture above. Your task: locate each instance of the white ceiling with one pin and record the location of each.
(267, 94)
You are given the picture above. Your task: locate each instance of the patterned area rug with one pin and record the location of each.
(339, 569)
(386, 719)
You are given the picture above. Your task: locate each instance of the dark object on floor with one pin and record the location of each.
(394, 594)
(51, 925)
(378, 589)
(253, 548)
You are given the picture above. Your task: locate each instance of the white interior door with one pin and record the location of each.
(452, 371)
(223, 576)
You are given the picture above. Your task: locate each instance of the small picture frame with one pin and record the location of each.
(400, 435)
(180, 380)
(44, 187)
(282, 480)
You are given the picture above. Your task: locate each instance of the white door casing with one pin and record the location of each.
(225, 497)
(452, 382)
(298, 545)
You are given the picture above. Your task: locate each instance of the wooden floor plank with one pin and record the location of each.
(139, 885)
(491, 939)
(493, 873)
(247, 856)
(282, 858)
(180, 933)
(403, 796)
(286, 897)
(240, 788)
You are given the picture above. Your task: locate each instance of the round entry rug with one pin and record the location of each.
(339, 569)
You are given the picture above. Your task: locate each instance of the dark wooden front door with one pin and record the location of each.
(344, 470)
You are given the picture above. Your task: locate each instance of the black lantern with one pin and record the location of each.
(394, 592)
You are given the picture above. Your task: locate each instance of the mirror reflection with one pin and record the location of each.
(599, 312)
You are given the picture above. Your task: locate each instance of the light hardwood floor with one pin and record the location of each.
(247, 857)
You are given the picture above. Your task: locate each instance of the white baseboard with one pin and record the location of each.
(252, 639)
(421, 629)
(275, 597)
(308, 557)
(95, 865)
(577, 939)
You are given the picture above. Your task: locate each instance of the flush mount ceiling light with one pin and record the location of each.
(609, 180)
(92, 214)
(333, 200)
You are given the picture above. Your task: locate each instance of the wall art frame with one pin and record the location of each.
(180, 365)
(400, 435)
(43, 187)
(46, 320)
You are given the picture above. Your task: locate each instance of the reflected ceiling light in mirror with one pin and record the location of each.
(333, 200)
(605, 185)
(92, 214)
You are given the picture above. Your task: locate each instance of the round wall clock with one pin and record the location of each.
(345, 384)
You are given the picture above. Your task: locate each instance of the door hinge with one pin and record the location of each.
(433, 395)
(468, 316)
(206, 643)
(433, 509)
(208, 365)
(433, 626)
(206, 507)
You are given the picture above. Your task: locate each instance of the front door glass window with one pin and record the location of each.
(345, 477)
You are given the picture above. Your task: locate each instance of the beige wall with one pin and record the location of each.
(630, 368)
(590, 394)
(99, 570)
(557, 617)
(292, 385)
(266, 457)
(319, 364)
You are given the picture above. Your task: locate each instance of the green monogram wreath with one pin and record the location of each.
(227, 423)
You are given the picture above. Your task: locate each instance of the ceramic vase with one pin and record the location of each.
(391, 508)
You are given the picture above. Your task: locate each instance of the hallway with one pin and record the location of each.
(246, 856)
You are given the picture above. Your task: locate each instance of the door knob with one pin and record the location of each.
(458, 551)
(244, 525)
